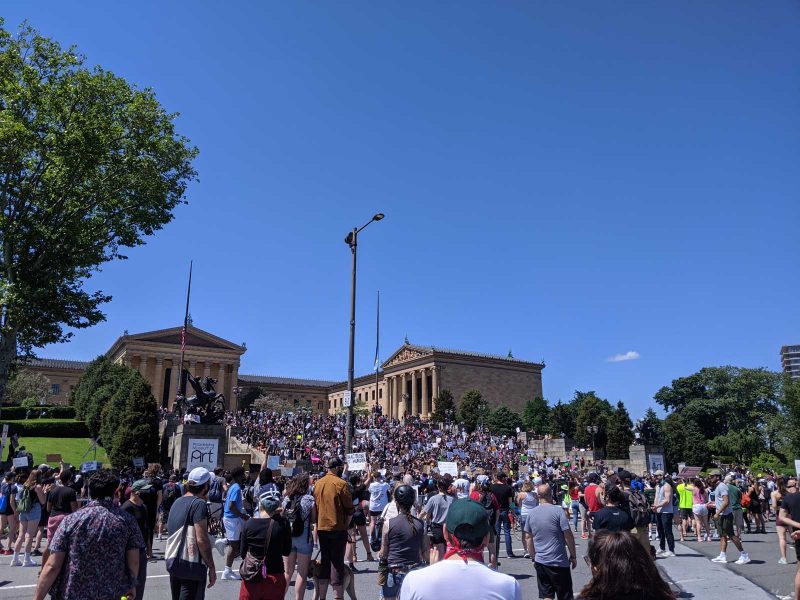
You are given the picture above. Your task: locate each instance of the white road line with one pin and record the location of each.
(33, 585)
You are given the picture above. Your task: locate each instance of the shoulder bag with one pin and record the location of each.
(182, 554)
(254, 569)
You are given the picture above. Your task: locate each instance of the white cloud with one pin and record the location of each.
(630, 355)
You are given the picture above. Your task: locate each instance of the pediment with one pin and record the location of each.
(194, 337)
(406, 354)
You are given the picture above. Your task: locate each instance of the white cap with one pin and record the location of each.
(198, 476)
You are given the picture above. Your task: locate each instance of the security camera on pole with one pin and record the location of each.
(352, 241)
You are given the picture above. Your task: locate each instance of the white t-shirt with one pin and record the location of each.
(378, 497)
(439, 580)
(462, 488)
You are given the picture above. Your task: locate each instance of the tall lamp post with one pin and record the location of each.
(593, 429)
(352, 241)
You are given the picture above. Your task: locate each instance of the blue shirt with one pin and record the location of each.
(234, 497)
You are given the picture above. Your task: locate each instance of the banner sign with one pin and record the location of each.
(138, 462)
(656, 463)
(448, 467)
(21, 462)
(90, 466)
(357, 461)
(274, 462)
(202, 453)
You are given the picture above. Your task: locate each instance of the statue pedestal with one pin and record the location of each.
(198, 445)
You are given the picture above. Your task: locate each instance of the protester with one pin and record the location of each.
(61, 501)
(152, 500)
(435, 513)
(30, 499)
(684, 491)
(191, 510)
(334, 508)
(404, 545)
(724, 520)
(8, 516)
(462, 571)
(612, 517)
(171, 492)
(593, 495)
(378, 498)
(504, 494)
(483, 495)
(700, 509)
(526, 500)
(298, 499)
(267, 539)
(95, 552)
(358, 522)
(136, 508)
(776, 499)
(233, 518)
(622, 570)
(789, 515)
(665, 513)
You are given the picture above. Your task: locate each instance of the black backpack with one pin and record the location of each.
(171, 493)
(294, 514)
(488, 506)
(215, 491)
(376, 539)
(639, 508)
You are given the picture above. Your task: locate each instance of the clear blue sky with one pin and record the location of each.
(569, 180)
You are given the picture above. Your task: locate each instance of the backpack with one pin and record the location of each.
(745, 501)
(639, 508)
(215, 491)
(294, 514)
(488, 506)
(376, 539)
(171, 493)
(25, 501)
(3, 498)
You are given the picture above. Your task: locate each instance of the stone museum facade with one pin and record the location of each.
(408, 383)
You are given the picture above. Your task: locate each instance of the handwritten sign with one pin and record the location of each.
(274, 462)
(90, 466)
(138, 462)
(21, 462)
(357, 461)
(448, 468)
(53, 458)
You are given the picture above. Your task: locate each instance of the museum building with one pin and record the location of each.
(407, 383)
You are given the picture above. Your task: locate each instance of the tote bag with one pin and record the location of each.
(182, 554)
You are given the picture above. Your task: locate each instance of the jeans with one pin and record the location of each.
(503, 521)
(187, 589)
(664, 526)
(576, 510)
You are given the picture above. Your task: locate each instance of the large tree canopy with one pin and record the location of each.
(89, 165)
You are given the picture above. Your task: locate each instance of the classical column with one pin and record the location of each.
(435, 390)
(221, 383)
(193, 367)
(425, 394)
(398, 396)
(158, 381)
(206, 369)
(414, 410)
(234, 383)
(174, 381)
(384, 400)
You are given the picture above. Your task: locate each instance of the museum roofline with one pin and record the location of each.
(55, 363)
(286, 380)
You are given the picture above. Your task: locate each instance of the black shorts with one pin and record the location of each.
(755, 507)
(554, 582)
(375, 513)
(437, 533)
(686, 513)
(797, 549)
(359, 519)
(725, 526)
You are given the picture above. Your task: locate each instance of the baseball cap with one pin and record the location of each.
(199, 476)
(467, 519)
(464, 474)
(715, 472)
(537, 480)
(659, 472)
(141, 485)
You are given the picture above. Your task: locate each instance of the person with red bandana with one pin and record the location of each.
(466, 533)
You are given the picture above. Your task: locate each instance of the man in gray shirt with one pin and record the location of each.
(552, 537)
(435, 511)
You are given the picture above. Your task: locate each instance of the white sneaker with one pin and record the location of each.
(31, 563)
(720, 559)
(15, 562)
(744, 558)
(220, 544)
(782, 561)
(667, 554)
(230, 575)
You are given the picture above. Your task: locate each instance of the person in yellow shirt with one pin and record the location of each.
(684, 491)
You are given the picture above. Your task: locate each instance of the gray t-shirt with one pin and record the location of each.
(547, 523)
(721, 492)
(437, 508)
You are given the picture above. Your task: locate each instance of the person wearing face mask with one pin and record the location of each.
(334, 509)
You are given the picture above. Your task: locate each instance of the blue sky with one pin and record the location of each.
(572, 181)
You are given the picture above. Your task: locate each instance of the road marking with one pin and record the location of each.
(33, 585)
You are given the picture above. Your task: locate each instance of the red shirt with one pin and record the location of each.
(590, 494)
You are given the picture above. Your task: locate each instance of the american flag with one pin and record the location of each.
(183, 339)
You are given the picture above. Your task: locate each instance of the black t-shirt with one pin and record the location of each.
(150, 497)
(62, 498)
(504, 493)
(196, 507)
(791, 502)
(254, 536)
(613, 518)
(139, 513)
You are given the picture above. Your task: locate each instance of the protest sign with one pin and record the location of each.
(20, 462)
(287, 471)
(274, 462)
(89, 466)
(448, 467)
(357, 461)
(53, 458)
(138, 462)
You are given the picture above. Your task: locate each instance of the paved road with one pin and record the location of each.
(691, 570)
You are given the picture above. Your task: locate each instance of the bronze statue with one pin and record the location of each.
(206, 403)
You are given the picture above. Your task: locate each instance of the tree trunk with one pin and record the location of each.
(8, 353)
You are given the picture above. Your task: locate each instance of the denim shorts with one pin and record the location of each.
(303, 543)
(394, 590)
(34, 514)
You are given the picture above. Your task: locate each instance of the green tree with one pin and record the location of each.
(649, 428)
(444, 403)
(89, 166)
(790, 415)
(504, 421)
(27, 388)
(562, 420)
(473, 409)
(251, 396)
(592, 411)
(94, 391)
(536, 416)
(683, 442)
(136, 427)
(620, 432)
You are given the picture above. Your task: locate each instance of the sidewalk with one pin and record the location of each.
(697, 577)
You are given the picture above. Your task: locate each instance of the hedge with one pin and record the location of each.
(32, 428)
(16, 413)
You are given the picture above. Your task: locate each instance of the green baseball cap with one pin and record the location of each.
(467, 519)
(715, 472)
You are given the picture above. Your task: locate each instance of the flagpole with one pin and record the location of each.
(377, 348)
(181, 380)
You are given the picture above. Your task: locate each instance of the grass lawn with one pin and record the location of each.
(70, 449)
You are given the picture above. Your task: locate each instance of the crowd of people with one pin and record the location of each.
(429, 531)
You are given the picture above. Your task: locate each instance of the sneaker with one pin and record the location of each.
(230, 575)
(782, 561)
(743, 559)
(667, 554)
(583, 536)
(36, 553)
(720, 559)
(15, 562)
(31, 563)
(512, 555)
(220, 544)
(526, 555)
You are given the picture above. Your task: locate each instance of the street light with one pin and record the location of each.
(593, 429)
(352, 241)
(237, 391)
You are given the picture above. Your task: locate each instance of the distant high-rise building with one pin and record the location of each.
(790, 360)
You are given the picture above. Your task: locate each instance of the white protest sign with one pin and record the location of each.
(448, 467)
(797, 467)
(357, 461)
(347, 399)
(656, 462)
(89, 466)
(274, 462)
(202, 453)
(287, 471)
(21, 462)
(138, 461)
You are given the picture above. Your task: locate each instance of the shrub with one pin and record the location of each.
(34, 428)
(17, 413)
